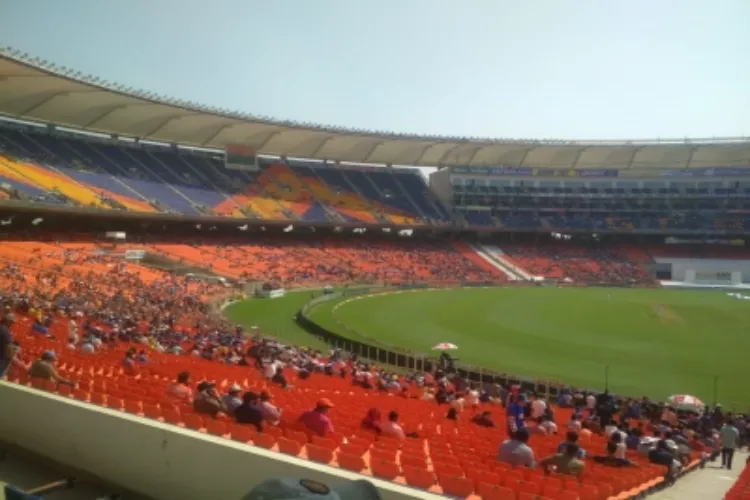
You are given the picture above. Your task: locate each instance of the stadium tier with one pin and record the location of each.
(90, 172)
(711, 200)
(52, 167)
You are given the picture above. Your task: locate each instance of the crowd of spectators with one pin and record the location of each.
(577, 263)
(168, 315)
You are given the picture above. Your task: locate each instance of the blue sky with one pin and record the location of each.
(580, 69)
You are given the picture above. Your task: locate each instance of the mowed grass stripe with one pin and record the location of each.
(656, 342)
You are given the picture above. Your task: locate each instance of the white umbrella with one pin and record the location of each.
(444, 346)
(686, 402)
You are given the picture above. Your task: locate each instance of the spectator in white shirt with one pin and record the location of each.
(591, 402)
(270, 369)
(457, 404)
(538, 407)
(391, 427)
(471, 399)
(547, 425)
(617, 440)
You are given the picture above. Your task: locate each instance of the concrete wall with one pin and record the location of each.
(158, 460)
(440, 185)
(706, 267)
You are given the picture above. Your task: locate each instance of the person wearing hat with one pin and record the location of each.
(232, 399)
(301, 489)
(7, 349)
(317, 420)
(44, 368)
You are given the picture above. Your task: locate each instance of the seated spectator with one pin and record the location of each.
(538, 407)
(661, 455)
(271, 367)
(566, 462)
(574, 424)
(232, 399)
(207, 400)
(471, 399)
(647, 444)
(39, 328)
(618, 444)
(72, 331)
(44, 368)
(279, 378)
(483, 419)
(128, 364)
(516, 451)
(669, 416)
(547, 425)
(613, 458)
(249, 412)
(317, 420)
(7, 350)
(87, 347)
(571, 437)
(392, 428)
(180, 389)
(271, 414)
(372, 420)
(16, 360)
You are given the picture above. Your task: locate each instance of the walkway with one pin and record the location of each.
(710, 483)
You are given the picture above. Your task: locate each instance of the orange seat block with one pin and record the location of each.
(319, 454)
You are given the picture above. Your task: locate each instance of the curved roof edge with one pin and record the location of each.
(39, 91)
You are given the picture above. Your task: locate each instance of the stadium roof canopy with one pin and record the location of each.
(38, 91)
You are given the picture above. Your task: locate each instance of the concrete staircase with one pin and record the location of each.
(496, 257)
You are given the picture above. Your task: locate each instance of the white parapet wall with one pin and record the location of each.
(159, 460)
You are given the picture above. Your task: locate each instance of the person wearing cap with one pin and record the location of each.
(7, 350)
(232, 399)
(305, 489)
(317, 420)
(44, 368)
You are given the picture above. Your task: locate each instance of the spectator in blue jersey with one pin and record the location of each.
(39, 328)
(516, 413)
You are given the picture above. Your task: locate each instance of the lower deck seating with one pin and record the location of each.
(304, 263)
(447, 456)
(451, 457)
(579, 263)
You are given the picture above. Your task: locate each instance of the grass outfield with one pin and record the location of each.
(656, 342)
(275, 317)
